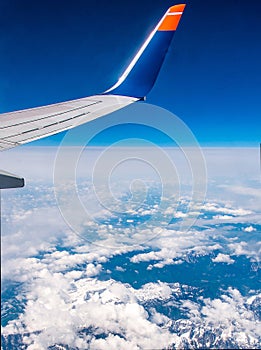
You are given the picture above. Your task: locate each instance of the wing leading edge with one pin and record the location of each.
(20, 127)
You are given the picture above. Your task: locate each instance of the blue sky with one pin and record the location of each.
(52, 51)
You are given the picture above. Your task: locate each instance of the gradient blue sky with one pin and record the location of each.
(52, 51)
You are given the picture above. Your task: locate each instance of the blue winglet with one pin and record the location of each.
(140, 75)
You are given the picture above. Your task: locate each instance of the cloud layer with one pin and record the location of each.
(60, 289)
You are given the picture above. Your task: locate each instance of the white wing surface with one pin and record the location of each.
(17, 128)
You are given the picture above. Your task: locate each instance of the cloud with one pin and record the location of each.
(150, 291)
(172, 247)
(227, 317)
(74, 308)
(222, 217)
(120, 268)
(216, 208)
(245, 248)
(249, 229)
(244, 190)
(93, 270)
(223, 258)
(57, 311)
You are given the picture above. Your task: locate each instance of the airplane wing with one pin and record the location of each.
(28, 125)
(20, 127)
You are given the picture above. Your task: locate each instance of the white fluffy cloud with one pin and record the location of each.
(74, 309)
(230, 312)
(223, 258)
(249, 229)
(216, 208)
(60, 310)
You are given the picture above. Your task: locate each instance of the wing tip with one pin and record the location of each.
(177, 8)
(171, 19)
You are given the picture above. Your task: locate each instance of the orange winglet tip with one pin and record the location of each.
(171, 19)
(177, 8)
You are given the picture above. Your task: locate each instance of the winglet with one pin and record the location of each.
(140, 75)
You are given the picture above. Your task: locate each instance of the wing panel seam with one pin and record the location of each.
(48, 116)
